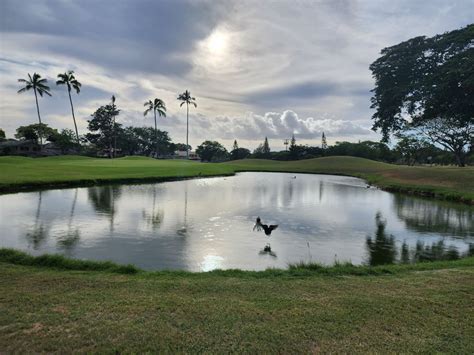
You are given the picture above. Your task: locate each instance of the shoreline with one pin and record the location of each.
(59, 262)
(24, 175)
(417, 191)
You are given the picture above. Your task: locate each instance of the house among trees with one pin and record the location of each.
(28, 148)
(17, 147)
(181, 154)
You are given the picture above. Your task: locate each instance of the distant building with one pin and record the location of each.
(17, 147)
(28, 148)
(181, 154)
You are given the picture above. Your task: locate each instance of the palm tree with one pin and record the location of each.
(186, 98)
(68, 79)
(159, 106)
(114, 113)
(39, 87)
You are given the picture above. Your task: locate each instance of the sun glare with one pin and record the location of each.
(217, 42)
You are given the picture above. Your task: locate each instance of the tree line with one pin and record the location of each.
(408, 150)
(104, 130)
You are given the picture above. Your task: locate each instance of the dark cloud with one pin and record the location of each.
(307, 90)
(139, 35)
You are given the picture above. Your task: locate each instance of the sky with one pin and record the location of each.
(258, 68)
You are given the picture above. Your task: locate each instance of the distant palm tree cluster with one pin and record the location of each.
(39, 86)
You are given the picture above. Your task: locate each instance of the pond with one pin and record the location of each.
(204, 224)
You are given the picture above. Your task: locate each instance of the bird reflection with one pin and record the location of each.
(267, 250)
(268, 231)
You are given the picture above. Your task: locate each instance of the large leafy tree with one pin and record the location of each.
(34, 131)
(187, 99)
(144, 141)
(427, 85)
(103, 128)
(157, 106)
(71, 82)
(212, 151)
(39, 86)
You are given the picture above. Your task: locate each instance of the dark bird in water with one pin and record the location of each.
(266, 228)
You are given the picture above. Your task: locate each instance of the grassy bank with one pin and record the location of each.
(19, 173)
(405, 309)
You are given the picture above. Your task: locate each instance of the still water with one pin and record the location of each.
(204, 224)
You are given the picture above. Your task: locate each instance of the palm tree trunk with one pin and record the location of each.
(156, 137)
(187, 130)
(39, 118)
(73, 117)
(115, 140)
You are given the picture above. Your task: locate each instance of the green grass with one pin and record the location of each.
(19, 173)
(62, 263)
(414, 308)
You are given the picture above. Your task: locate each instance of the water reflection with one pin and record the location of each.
(154, 217)
(207, 223)
(103, 199)
(71, 238)
(382, 247)
(37, 233)
(444, 218)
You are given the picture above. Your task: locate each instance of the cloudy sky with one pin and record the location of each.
(257, 68)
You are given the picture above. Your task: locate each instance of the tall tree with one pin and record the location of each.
(324, 144)
(71, 82)
(103, 128)
(39, 86)
(187, 99)
(293, 148)
(235, 146)
(266, 147)
(427, 85)
(114, 112)
(157, 105)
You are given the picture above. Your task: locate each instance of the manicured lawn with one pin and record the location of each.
(18, 173)
(399, 308)
(50, 310)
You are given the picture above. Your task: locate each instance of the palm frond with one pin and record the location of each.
(161, 113)
(77, 86)
(22, 90)
(42, 90)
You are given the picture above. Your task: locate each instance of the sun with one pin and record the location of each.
(217, 42)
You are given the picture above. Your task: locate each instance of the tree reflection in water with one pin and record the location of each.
(383, 250)
(38, 232)
(69, 241)
(382, 247)
(154, 218)
(443, 217)
(103, 200)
